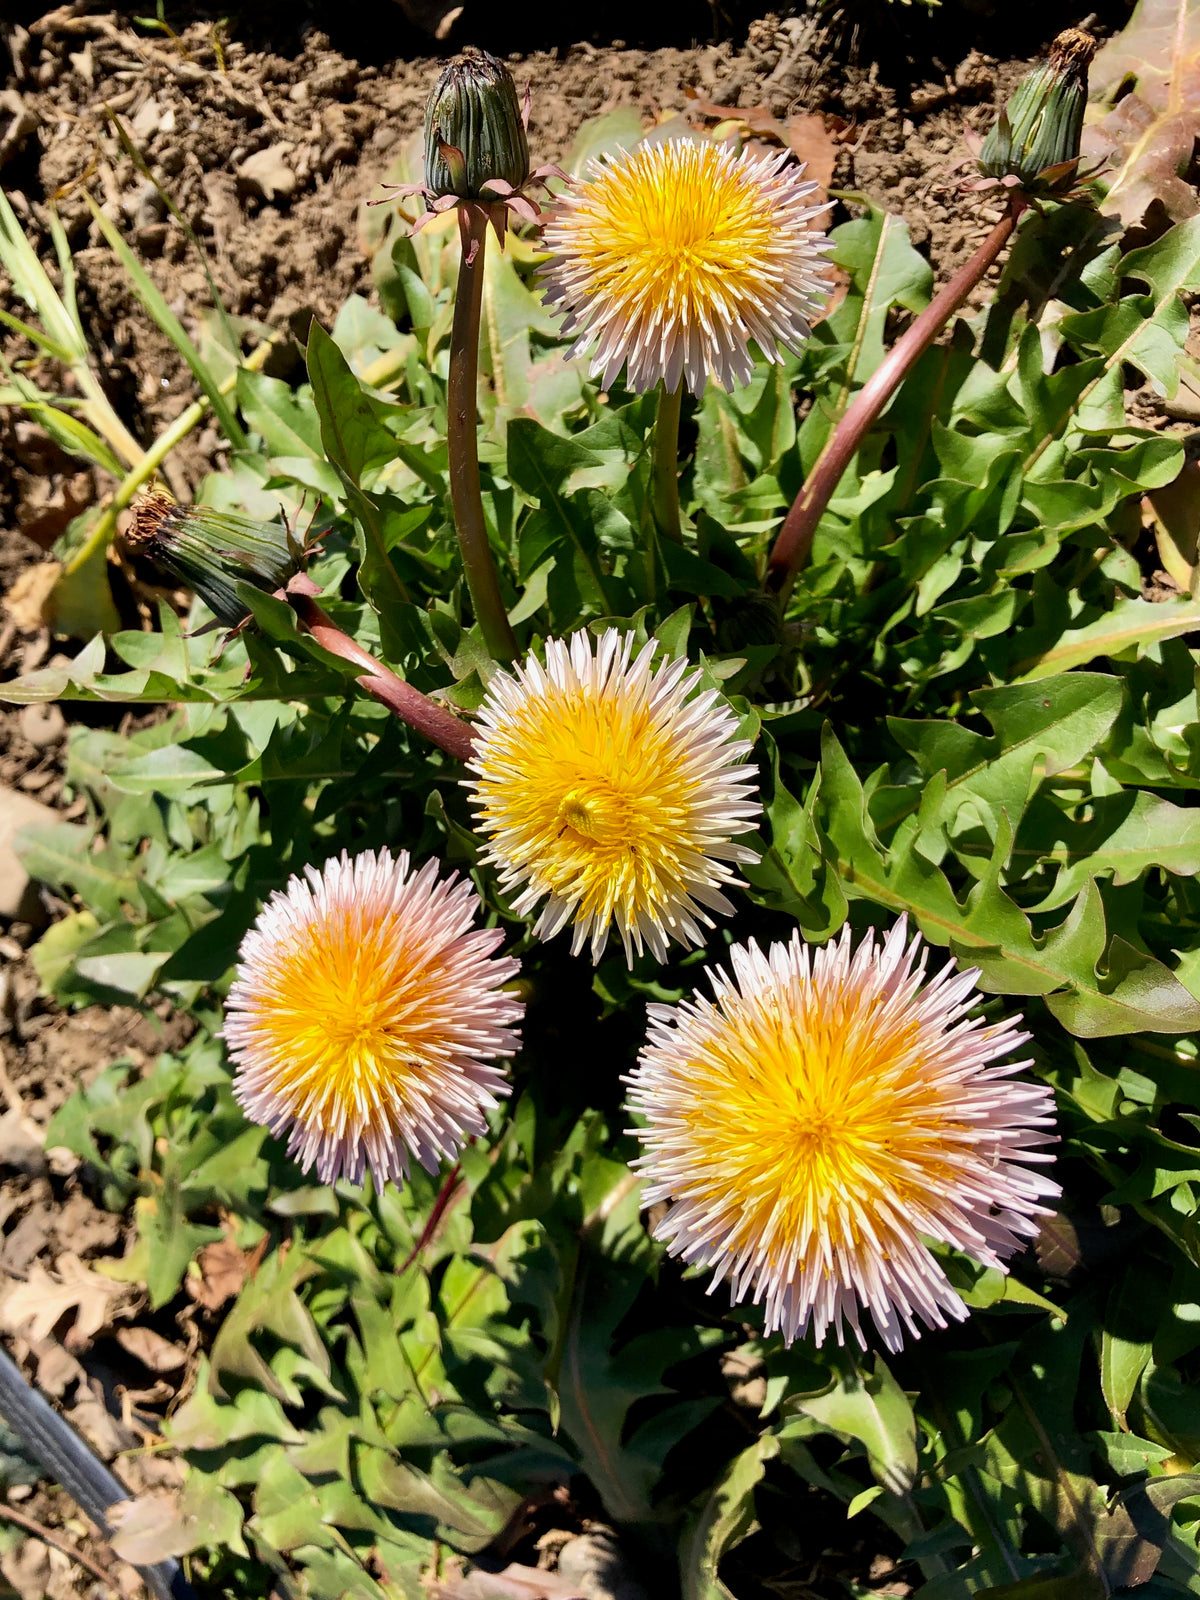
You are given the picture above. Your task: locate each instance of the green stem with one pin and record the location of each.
(666, 462)
(462, 425)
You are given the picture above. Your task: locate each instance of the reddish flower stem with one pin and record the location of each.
(444, 1196)
(439, 726)
(794, 544)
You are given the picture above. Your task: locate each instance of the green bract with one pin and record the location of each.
(211, 552)
(473, 128)
(1041, 125)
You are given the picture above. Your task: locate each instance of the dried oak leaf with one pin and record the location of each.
(224, 1268)
(1147, 83)
(151, 1528)
(35, 1307)
(811, 136)
(151, 1349)
(28, 600)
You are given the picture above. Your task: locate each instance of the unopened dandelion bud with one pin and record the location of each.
(1037, 134)
(474, 130)
(212, 551)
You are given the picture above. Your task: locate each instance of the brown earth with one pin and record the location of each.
(268, 139)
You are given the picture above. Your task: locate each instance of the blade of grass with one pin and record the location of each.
(155, 456)
(31, 282)
(66, 266)
(157, 308)
(34, 335)
(68, 432)
(147, 172)
(33, 285)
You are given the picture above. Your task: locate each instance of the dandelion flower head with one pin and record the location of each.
(672, 258)
(613, 792)
(366, 1016)
(831, 1112)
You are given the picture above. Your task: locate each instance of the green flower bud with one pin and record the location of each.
(473, 128)
(1041, 125)
(210, 551)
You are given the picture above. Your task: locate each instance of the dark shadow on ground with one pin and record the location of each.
(906, 41)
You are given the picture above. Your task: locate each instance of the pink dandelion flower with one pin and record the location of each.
(672, 258)
(365, 1017)
(829, 1114)
(612, 792)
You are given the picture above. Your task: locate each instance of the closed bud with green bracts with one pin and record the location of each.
(474, 129)
(1036, 136)
(211, 551)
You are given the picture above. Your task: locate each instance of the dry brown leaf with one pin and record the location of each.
(810, 141)
(21, 1142)
(151, 1528)
(34, 1308)
(57, 1369)
(1147, 138)
(28, 600)
(513, 1582)
(224, 1268)
(151, 1349)
(50, 503)
(1175, 518)
(811, 136)
(106, 1434)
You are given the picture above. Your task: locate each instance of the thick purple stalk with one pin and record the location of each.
(794, 544)
(439, 726)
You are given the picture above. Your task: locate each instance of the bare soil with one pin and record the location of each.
(269, 133)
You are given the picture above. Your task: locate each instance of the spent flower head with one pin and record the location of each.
(474, 128)
(669, 260)
(612, 792)
(829, 1114)
(212, 551)
(366, 1016)
(1034, 143)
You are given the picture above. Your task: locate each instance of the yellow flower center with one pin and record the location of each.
(814, 1116)
(599, 811)
(680, 231)
(343, 1018)
(585, 789)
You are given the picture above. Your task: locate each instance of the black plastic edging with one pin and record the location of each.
(64, 1456)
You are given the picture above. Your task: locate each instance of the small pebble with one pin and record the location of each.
(42, 725)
